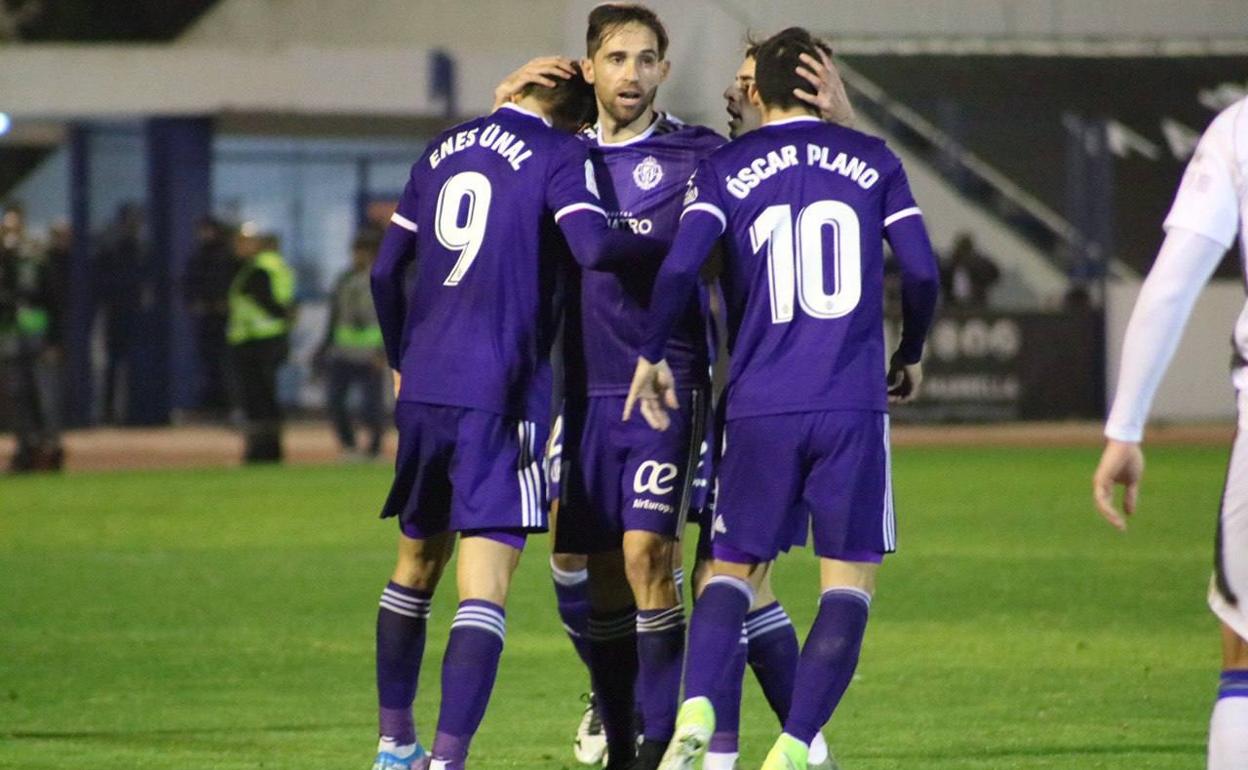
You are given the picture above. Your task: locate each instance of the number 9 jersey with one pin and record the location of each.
(475, 327)
(805, 208)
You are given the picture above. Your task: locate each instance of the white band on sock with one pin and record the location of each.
(673, 617)
(483, 618)
(565, 578)
(857, 593)
(402, 604)
(766, 622)
(744, 587)
(605, 630)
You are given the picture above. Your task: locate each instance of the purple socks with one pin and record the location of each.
(468, 672)
(401, 622)
(660, 654)
(613, 669)
(828, 660)
(773, 654)
(715, 633)
(727, 704)
(572, 599)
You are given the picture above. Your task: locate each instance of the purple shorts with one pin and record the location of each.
(620, 476)
(783, 474)
(466, 470)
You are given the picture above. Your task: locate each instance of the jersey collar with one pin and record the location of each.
(659, 116)
(789, 121)
(523, 111)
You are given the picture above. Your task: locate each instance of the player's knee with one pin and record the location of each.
(417, 574)
(569, 562)
(420, 563)
(648, 562)
(763, 593)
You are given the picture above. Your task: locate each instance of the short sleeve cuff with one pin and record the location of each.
(913, 211)
(403, 222)
(575, 207)
(709, 209)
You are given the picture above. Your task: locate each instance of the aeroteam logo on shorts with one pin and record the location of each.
(655, 477)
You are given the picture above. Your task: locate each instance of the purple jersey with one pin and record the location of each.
(806, 207)
(642, 182)
(475, 328)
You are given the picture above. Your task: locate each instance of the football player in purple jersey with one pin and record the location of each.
(772, 643)
(491, 207)
(769, 642)
(805, 208)
(625, 490)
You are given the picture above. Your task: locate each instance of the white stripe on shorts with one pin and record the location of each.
(527, 476)
(890, 519)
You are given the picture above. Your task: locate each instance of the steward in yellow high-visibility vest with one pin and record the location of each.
(354, 354)
(31, 304)
(261, 310)
(260, 299)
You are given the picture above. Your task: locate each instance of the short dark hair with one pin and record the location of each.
(775, 66)
(570, 102)
(753, 42)
(610, 16)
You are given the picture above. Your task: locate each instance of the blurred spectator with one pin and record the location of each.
(354, 354)
(30, 345)
(60, 240)
(205, 288)
(968, 275)
(261, 301)
(125, 293)
(16, 14)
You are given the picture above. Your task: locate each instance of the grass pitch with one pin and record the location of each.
(224, 619)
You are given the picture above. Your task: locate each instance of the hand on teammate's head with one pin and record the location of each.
(544, 71)
(829, 96)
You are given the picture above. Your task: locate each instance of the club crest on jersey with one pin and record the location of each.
(648, 173)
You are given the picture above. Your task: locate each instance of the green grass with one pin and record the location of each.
(224, 619)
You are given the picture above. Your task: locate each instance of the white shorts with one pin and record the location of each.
(1228, 589)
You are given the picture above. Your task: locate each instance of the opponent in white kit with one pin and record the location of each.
(1210, 205)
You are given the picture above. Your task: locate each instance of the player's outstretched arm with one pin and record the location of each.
(829, 95)
(653, 389)
(542, 71)
(596, 246)
(1122, 463)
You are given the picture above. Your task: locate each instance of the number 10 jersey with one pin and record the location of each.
(805, 207)
(475, 327)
